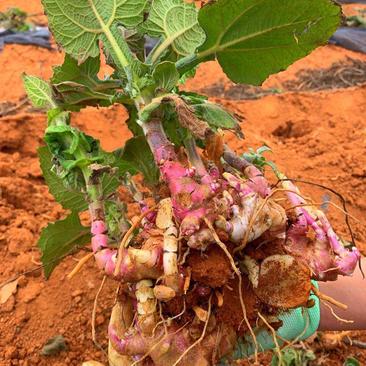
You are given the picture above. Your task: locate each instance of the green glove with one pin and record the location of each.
(299, 323)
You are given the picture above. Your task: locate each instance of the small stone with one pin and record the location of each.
(23, 317)
(22, 281)
(11, 352)
(22, 353)
(77, 299)
(34, 360)
(54, 346)
(76, 293)
(358, 172)
(99, 320)
(23, 263)
(19, 240)
(30, 292)
(90, 285)
(8, 306)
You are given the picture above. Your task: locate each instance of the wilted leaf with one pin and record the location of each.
(60, 239)
(253, 39)
(7, 290)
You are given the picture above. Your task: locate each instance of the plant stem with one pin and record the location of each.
(194, 157)
(189, 62)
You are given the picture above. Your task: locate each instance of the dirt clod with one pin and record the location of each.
(211, 267)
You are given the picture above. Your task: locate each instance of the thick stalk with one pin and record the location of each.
(188, 196)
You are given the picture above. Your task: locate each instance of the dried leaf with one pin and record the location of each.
(215, 148)
(187, 118)
(8, 290)
(201, 314)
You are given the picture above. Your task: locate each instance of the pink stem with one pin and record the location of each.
(189, 197)
(131, 270)
(131, 345)
(256, 182)
(345, 261)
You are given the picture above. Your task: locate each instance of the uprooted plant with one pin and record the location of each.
(217, 253)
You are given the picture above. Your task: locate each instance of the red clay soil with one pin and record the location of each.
(318, 137)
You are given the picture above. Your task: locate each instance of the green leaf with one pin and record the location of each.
(79, 25)
(166, 76)
(215, 116)
(79, 84)
(176, 21)
(294, 357)
(148, 110)
(172, 127)
(351, 361)
(137, 152)
(253, 39)
(132, 124)
(39, 92)
(188, 75)
(69, 198)
(192, 97)
(60, 239)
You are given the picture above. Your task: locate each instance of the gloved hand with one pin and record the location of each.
(299, 323)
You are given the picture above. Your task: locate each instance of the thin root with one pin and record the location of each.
(278, 349)
(256, 213)
(247, 321)
(291, 343)
(155, 345)
(336, 316)
(80, 264)
(237, 272)
(328, 203)
(223, 247)
(126, 239)
(329, 299)
(170, 319)
(354, 342)
(199, 340)
(94, 336)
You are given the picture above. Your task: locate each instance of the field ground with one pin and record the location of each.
(317, 136)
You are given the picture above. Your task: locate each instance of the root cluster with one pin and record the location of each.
(218, 256)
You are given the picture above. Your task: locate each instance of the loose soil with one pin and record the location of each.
(317, 136)
(344, 73)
